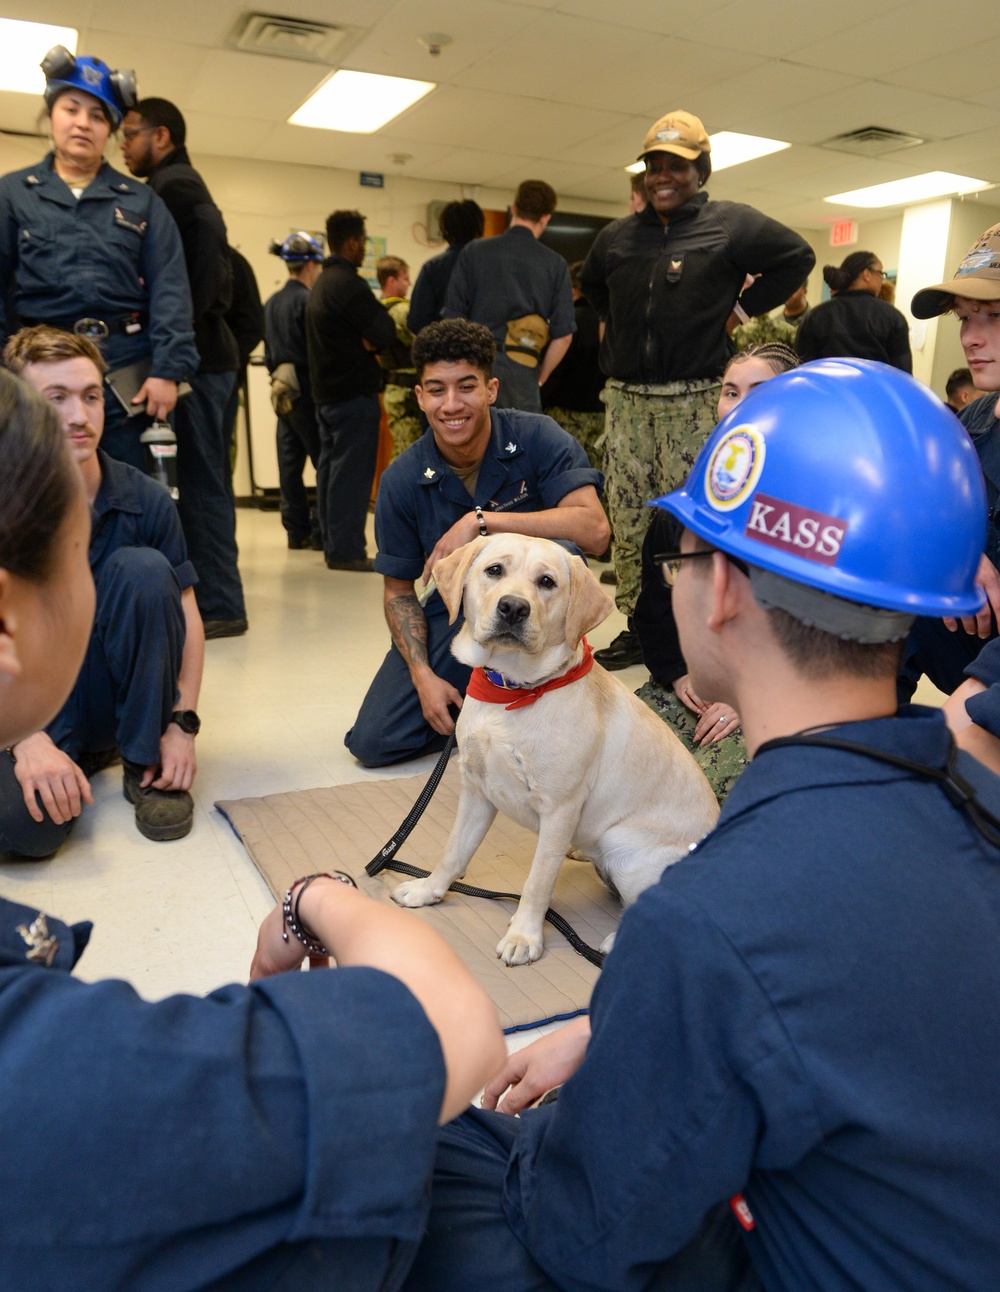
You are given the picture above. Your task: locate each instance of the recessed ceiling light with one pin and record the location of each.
(359, 102)
(23, 45)
(732, 149)
(729, 148)
(899, 192)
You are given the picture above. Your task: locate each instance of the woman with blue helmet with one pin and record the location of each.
(86, 248)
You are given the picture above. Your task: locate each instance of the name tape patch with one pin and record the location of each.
(734, 468)
(798, 530)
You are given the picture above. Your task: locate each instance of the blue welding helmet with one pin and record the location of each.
(849, 477)
(297, 248)
(117, 91)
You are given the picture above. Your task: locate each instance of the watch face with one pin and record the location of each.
(187, 720)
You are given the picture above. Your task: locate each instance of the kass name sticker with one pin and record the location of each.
(734, 468)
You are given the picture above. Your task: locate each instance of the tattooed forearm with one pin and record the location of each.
(408, 627)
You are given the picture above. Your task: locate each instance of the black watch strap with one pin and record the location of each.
(187, 720)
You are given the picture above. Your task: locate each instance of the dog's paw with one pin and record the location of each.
(416, 892)
(518, 949)
(608, 943)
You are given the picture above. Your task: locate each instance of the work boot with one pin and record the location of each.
(623, 652)
(159, 814)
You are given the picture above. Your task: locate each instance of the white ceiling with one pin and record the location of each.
(564, 90)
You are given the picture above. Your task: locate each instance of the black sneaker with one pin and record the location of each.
(623, 652)
(159, 814)
(297, 544)
(364, 565)
(225, 628)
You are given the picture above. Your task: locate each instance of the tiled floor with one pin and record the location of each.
(275, 705)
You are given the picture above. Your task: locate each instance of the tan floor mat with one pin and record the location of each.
(343, 826)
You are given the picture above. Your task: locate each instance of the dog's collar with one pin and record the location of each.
(492, 687)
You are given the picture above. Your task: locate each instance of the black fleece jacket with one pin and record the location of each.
(665, 291)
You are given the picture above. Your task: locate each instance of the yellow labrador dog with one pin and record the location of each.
(583, 763)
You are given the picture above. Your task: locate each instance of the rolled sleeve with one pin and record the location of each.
(303, 1106)
(374, 1081)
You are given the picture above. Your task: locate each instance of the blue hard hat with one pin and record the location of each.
(298, 248)
(847, 476)
(117, 91)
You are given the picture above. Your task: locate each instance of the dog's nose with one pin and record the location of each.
(513, 609)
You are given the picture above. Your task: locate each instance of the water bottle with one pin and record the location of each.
(161, 456)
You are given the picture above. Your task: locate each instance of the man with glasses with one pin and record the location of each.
(788, 1075)
(153, 145)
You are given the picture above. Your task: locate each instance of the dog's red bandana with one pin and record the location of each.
(513, 696)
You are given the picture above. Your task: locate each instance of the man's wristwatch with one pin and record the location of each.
(187, 720)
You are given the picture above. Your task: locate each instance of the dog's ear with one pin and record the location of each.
(589, 605)
(451, 572)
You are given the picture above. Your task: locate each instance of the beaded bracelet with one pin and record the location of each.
(292, 920)
(482, 523)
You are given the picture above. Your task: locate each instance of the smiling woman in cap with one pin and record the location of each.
(665, 281)
(942, 650)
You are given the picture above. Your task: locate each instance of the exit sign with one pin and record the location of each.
(843, 234)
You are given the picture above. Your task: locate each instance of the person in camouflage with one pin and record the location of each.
(709, 731)
(665, 281)
(767, 329)
(654, 433)
(405, 422)
(572, 394)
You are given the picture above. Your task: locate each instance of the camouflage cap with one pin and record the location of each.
(977, 277)
(678, 132)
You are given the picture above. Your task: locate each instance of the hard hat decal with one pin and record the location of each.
(734, 468)
(797, 530)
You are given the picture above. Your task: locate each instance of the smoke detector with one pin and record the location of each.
(434, 42)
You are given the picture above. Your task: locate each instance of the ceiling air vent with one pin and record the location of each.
(267, 33)
(872, 141)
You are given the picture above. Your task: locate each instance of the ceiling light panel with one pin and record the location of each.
(23, 45)
(918, 188)
(359, 102)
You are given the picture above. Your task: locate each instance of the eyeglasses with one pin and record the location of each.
(670, 562)
(882, 273)
(128, 135)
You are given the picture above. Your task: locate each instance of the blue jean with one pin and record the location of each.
(297, 438)
(390, 726)
(126, 689)
(206, 506)
(348, 434)
(469, 1243)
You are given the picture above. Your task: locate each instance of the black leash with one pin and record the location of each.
(956, 787)
(385, 859)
